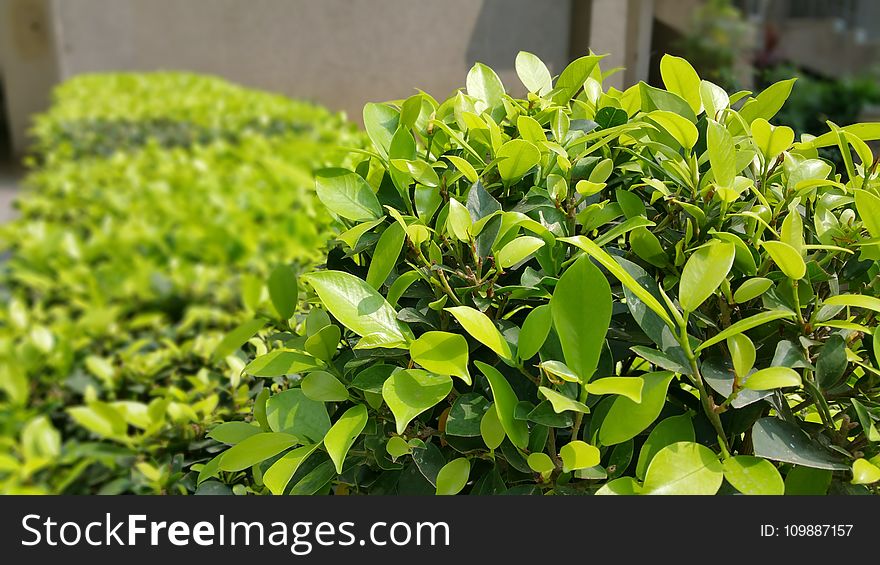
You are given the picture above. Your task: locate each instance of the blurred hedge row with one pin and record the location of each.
(157, 205)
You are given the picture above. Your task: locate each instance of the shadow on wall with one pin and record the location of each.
(483, 45)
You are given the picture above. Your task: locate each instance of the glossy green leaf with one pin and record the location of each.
(572, 78)
(562, 403)
(703, 273)
(255, 449)
(453, 476)
(283, 290)
(533, 73)
(518, 250)
(540, 463)
(868, 206)
(534, 332)
(865, 420)
(443, 353)
(341, 436)
(409, 392)
(277, 477)
(323, 387)
(491, 429)
(771, 140)
(681, 129)
(484, 85)
(768, 102)
(745, 325)
(292, 412)
(864, 472)
(671, 430)
(459, 221)
(684, 468)
(281, 362)
(752, 288)
(854, 301)
(773, 377)
(753, 475)
(481, 328)
(347, 194)
(680, 77)
(646, 245)
(779, 440)
(381, 122)
(323, 343)
(560, 370)
(420, 171)
(466, 414)
(742, 354)
(722, 154)
(579, 455)
(231, 433)
(630, 387)
(505, 406)
(581, 311)
(786, 258)
(468, 170)
(516, 158)
(385, 256)
(626, 419)
(624, 486)
(359, 307)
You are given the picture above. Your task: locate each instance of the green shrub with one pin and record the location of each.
(578, 292)
(124, 272)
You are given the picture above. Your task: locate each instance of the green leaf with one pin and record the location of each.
(256, 449)
(773, 377)
(516, 158)
(626, 419)
(283, 290)
(779, 440)
(854, 301)
(533, 73)
(865, 472)
(620, 273)
(646, 245)
(534, 332)
(352, 236)
(621, 486)
(314, 481)
(468, 170)
(714, 99)
(864, 417)
(753, 475)
(505, 406)
(420, 171)
(347, 194)
(807, 481)
(281, 362)
(560, 370)
(680, 77)
(832, 361)
(745, 325)
(684, 468)
(671, 430)
(657, 99)
(453, 476)
(237, 337)
(581, 311)
(323, 343)
(484, 85)
(768, 102)
(562, 403)
(292, 412)
(481, 328)
(786, 258)
(459, 221)
(540, 463)
(868, 206)
(397, 447)
(381, 122)
(573, 77)
(409, 392)
(231, 433)
(385, 256)
(703, 273)
(321, 386)
(579, 455)
(771, 140)
(443, 353)
(279, 474)
(341, 436)
(530, 129)
(466, 414)
(722, 154)
(359, 307)
(491, 429)
(752, 288)
(681, 129)
(518, 250)
(100, 418)
(742, 354)
(630, 387)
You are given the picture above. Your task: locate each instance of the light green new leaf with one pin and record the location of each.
(484, 85)
(581, 309)
(505, 406)
(386, 253)
(534, 332)
(347, 194)
(255, 449)
(786, 258)
(714, 99)
(751, 289)
(745, 325)
(560, 370)
(453, 476)
(540, 463)
(323, 387)
(279, 474)
(771, 140)
(648, 247)
(752, 475)
(768, 102)
(671, 430)
(865, 472)
(630, 387)
(516, 158)
(443, 353)
(562, 403)
(232, 433)
(626, 419)
(742, 354)
(773, 377)
(468, 170)
(409, 392)
(283, 290)
(397, 447)
(420, 171)
(703, 273)
(684, 468)
(868, 206)
(459, 221)
(722, 153)
(481, 328)
(323, 343)
(281, 362)
(681, 129)
(352, 236)
(517, 250)
(491, 429)
(341, 436)
(100, 418)
(572, 78)
(237, 337)
(579, 455)
(854, 301)
(680, 77)
(625, 278)
(381, 122)
(533, 73)
(359, 307)
(622, 486)
(292, 412)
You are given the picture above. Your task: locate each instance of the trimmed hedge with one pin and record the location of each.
(160, 205)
